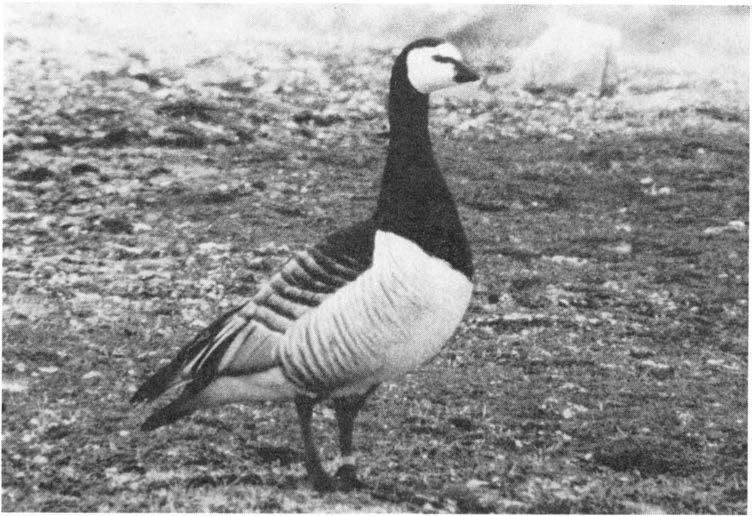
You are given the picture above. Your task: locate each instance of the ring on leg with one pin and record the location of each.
(321, 481)
(346, 409)
(346, 475)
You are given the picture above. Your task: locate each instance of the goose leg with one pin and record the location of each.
(321, 481)
(346, 410)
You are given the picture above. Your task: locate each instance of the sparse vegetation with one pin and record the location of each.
(602, 366)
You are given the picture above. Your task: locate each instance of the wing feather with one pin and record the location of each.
(245, 340)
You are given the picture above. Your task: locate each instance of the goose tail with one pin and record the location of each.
(269, 385)
(170, 413)
(179, 371)
(157, 384)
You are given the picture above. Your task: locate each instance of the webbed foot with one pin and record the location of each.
(347, 479)
(323, 483)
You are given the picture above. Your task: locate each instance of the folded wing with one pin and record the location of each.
(243, 343)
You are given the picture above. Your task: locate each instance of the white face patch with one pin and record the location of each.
(425, 73)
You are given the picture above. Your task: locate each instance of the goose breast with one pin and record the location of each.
(392, 318)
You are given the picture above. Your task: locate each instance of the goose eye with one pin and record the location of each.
(444, 59)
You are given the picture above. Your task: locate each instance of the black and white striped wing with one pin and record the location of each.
(391, 319)
(244, 340)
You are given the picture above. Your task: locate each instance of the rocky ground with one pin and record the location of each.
(601, 367)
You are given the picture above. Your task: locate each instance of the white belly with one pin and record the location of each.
(432, 298)
(395, 316)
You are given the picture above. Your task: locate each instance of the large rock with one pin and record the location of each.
(571, 55)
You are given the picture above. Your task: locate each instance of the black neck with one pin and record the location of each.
(415, 201)
(409, 140)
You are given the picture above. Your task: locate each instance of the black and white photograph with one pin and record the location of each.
(365, 258)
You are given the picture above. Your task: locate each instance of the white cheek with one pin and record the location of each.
(427, 75)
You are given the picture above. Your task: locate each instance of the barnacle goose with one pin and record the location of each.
(366, 304)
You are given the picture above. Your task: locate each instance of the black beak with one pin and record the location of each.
(463, 73)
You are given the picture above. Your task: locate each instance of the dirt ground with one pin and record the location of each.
(602, 365)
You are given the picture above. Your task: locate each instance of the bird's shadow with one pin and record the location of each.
(208, 479)
(282, 454)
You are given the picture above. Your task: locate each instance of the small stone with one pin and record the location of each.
(83, 168)
(475, 483)
(35, 175)
(10, 385)
(11, 139)
(715, 230)
(270, 248)
(116, 225)
(46, 186)
(256, 263)
(69, 221)
(566, 260)
(462, 423)
(622, 248)
(626, 228)
(37, 141)
(24, 216)
(572, 410)
(158, 171)
(139, 86)
(737, 225)
(212, 247)
(657, 370)
(642, 508)
(639, 352)
(40, 460)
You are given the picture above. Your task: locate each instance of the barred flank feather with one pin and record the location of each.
(246, 339)
(392, 318)
(331, 330)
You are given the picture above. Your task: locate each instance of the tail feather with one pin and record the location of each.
(157, 384)
(179, 408)
(168, 376)
(264, 386)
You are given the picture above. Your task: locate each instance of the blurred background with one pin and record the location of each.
(583, 47)
(160, 160)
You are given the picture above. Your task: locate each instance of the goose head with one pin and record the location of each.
(431, 64)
